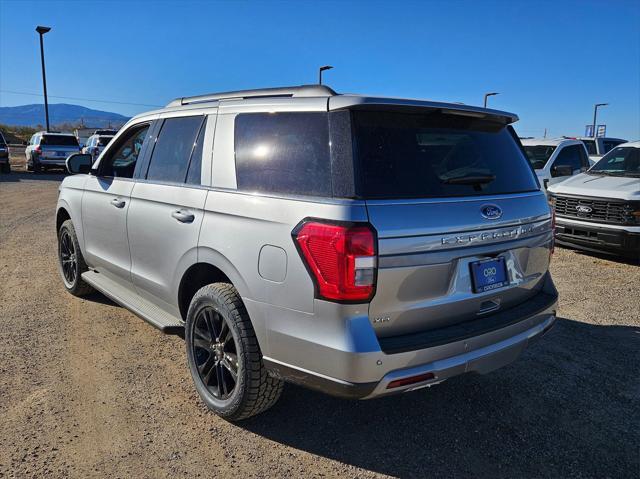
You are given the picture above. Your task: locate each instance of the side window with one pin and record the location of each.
(591, 146)
(584, 157)
(283, 153)
(195, 165)
(569, 156)
(171, 154)
(121, 162)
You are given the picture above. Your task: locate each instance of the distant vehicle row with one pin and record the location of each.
(50, 149)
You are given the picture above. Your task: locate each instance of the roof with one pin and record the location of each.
(599, 137)
(548, 141)
(629, 144)
(336, 101)
(45, 132)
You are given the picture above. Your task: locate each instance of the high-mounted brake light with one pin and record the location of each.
(341, 258)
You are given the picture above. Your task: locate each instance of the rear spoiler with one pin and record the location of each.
(340, 102)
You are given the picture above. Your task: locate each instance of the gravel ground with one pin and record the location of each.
(87, 389)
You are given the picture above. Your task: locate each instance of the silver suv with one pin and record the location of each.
(356, 245)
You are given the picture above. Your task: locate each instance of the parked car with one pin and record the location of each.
(360, 246)
(95, 144)
(48, 150)
(555, 160)
(598, 147)
(5, 166)
(600, 210)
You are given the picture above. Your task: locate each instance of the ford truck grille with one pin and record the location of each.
(597, 210)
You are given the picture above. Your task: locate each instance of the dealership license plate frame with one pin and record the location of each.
(481, 282)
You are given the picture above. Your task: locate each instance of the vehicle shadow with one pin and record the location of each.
(16, 176)
(567, 407)
(608, 257)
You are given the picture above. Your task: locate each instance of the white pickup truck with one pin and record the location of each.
(555, 160)
(600, 210)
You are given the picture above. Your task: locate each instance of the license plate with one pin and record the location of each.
(488, 274)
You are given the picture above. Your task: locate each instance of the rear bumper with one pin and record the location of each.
(599, 238)
(52, 161)
(368, 373)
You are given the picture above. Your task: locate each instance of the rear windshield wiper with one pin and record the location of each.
(469, 180)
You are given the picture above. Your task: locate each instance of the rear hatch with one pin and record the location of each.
(58, 147)
(463, 228)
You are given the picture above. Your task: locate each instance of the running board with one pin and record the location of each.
(148, 311)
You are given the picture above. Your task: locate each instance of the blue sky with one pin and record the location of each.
(551, 61)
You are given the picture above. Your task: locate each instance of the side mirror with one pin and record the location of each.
(78, 163)
(24, 143)
(557, 171)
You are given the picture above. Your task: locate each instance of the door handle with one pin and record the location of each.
(183, 216)
(118, 203)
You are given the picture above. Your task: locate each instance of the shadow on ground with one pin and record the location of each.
(568, 407)
(16, 176)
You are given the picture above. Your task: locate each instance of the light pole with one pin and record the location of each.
(487, 95)
(320, 70)
(42, 30)
(595, 115)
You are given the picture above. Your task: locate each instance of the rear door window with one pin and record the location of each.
(433, 155)
(609, 144)
(284, 153)
(591, 146)
(172, 152)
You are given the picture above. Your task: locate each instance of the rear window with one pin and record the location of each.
(434, 155)
(59, 140)
(538, 155)
(283, 153)
(104, 140)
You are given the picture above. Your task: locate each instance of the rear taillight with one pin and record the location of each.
(340, 257)
(37, 149)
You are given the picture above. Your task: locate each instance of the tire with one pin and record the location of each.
(71, 263)
(219, 338)
(6, 168)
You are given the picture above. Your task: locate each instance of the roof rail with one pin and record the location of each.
(293, 91)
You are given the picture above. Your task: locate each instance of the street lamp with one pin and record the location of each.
(487, 95)
(42, 30)
(595, 115)
(320, 70)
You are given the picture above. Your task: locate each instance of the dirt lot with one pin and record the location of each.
(88, 389)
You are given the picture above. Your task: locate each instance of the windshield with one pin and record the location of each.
(431, 155)
(538, 155)
(59, 140)
(623, 161)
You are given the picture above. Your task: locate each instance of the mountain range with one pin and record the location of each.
(59, 113)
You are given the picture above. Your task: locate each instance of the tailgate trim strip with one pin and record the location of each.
(536, 305)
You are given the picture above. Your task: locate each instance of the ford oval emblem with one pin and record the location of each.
(491, 212)
(584, 209)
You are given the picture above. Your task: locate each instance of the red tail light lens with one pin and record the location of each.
(341, 259)
(37, 149)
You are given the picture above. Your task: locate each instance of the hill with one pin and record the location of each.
(59, 113)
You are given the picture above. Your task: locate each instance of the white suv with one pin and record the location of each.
(555, 160)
